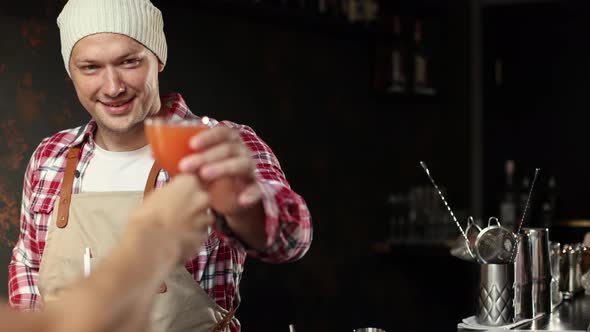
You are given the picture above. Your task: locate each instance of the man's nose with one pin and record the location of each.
(113, 85)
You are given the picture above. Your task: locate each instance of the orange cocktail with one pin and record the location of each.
(169, 140)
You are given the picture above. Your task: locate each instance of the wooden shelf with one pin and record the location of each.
(288, 17)
(369, 34)
(517, 2)
(577, 223)
(406, 99)
(311, 20)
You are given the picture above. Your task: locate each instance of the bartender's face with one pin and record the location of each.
(116, 79)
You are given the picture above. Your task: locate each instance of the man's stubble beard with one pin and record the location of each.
(134, 128)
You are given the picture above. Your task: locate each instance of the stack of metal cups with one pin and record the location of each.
(519, 290)
(496, 292)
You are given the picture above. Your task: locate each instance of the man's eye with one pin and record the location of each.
(89, 67)
(130, 61)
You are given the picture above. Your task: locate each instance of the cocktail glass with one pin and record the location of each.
(169, 139)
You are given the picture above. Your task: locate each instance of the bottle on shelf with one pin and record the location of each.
(507, 203)
(398, 218)
(370, 11)
(397, 82)
(352, 10)
(322, 6)
(294, 4)
(332, 8)
(422, 84)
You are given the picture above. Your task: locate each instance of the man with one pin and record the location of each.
(87, 180)
(166, 229)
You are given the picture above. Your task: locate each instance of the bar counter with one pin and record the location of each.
(570, 316)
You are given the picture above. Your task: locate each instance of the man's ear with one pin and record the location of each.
(160, 67)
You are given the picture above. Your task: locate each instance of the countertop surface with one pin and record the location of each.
(571, 315)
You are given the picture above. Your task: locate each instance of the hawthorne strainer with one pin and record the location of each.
(494, 244)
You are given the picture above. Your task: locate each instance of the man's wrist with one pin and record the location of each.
(247, 227)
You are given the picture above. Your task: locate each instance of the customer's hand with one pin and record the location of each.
(168, 228)
(175, 217)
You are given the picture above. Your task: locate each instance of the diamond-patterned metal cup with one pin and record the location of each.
(496, 295)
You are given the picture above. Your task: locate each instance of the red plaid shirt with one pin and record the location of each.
(219, 265)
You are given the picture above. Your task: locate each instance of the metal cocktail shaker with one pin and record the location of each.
(523, 302)
(538, 243)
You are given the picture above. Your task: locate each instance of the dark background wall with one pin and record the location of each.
(306, 88)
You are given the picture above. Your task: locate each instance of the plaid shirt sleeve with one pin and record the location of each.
(288, 221)
(23, 269)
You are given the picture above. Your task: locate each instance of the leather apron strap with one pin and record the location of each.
(150, 185)
(223, 325)
(66, 187)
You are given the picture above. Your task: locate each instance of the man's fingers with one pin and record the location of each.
(216, 153)
(242, 167)
(214, 136)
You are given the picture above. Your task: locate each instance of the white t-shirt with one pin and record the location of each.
(117, 171)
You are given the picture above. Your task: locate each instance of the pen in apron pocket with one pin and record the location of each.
(87, 257)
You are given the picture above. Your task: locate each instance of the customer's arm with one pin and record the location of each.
(116, 297)
(167, 229)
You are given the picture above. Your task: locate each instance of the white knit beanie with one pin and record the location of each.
(138, 19)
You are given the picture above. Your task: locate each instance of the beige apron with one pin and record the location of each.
(96, 221)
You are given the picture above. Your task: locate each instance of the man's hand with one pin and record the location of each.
(224, 163)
